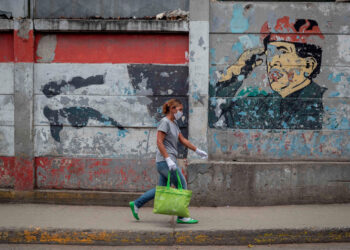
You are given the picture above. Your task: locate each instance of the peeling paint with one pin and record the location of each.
(46, 47)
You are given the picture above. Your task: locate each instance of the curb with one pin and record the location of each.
(70, 197)
(122, 238)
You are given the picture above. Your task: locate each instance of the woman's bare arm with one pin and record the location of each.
(160, 138)
(186, 142)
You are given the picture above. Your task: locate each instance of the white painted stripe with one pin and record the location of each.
(7, 80)
(7, 109)
(7, 145)
(96, 142)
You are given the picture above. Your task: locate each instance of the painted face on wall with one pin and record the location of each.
(287, 72)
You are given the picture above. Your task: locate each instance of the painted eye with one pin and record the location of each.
(284, 51)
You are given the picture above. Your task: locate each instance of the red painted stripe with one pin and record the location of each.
(7, 165)
(120, 48)
(16, 172)
(6, 47)
(24, 47)
(95, 174)
(24, 173)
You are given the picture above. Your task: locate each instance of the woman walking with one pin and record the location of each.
(168, 135)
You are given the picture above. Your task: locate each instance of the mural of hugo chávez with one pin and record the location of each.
(293, 60)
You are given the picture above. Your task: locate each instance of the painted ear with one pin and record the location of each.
(311, 64)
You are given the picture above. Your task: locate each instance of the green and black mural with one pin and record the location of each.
(292, 61)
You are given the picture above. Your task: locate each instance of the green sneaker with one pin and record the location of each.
(186, 221)
(132, 207)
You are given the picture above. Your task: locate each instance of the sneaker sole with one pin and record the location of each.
(183, 222)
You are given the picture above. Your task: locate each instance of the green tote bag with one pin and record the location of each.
(172, 201)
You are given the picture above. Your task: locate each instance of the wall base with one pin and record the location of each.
(70, 197)
(269, 183)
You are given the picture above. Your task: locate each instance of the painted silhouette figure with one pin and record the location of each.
(292, 62)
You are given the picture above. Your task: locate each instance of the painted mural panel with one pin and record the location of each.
(97, 104)
(95, 95)
(109, 79)
(289, 77)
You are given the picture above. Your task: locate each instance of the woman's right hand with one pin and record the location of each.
(171, 163)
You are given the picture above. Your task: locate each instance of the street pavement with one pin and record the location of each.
(309, 246)
(106, 225)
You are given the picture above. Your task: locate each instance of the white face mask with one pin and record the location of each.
(178, 115)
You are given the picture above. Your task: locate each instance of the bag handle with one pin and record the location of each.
(179, 184)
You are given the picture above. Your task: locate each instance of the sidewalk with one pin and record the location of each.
(103, 225)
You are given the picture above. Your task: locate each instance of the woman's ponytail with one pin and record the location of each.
(165, 108)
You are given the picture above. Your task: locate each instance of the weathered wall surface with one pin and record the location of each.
(269, 183)
(104, 9)
(287, 99)
(278, 112)
(80, 111)
(100, 96)
(14, 8)
(6, 110)
(16, 94)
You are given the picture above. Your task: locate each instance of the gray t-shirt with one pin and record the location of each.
(172, 131)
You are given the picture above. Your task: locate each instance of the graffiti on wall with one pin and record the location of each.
(292, 57)
(133, 100)
(77, 117)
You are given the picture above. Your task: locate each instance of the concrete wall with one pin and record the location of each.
(268, 183)
(7, 107)
(91, 103)
(307, 118)
(276, 135)
(82, 109)
(15, 8)
(104, 9)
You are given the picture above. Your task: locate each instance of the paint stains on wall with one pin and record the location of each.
(148, 79)
(239, 22)
(55, 88)
(78, 117)
(95, 173)
(7, 178)
(288, 145)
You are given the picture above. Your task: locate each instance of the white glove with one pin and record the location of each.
(201, 153)
(171, 164)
